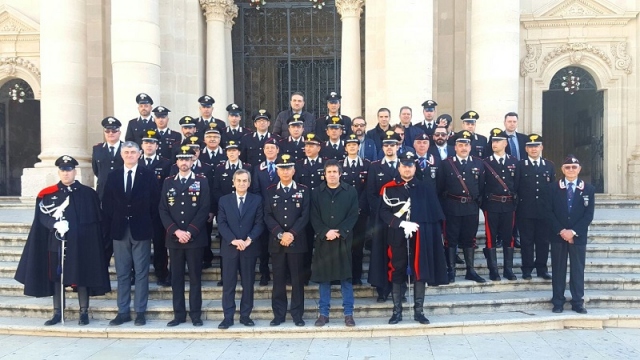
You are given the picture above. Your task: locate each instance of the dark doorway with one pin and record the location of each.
(572, 123)
(285, 46)
(19, 134)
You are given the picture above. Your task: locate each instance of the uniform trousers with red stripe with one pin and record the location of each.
(499, 224)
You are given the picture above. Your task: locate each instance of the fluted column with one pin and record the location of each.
(63, 59)
(231, 13)
(495, 58)
(215, 11)
(135, 54)
(350, 68)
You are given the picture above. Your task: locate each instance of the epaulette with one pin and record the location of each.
(48, 190)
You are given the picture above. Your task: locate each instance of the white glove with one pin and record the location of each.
(409, 228)
(62, 227)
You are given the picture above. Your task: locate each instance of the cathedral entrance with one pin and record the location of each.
(19, 134)
(283, 47)
(572, 123)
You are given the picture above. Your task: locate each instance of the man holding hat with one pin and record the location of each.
(66, 227)
(206, 116)
(333, 109)
(479, 144)
(251, 143)
(168, 139)
(536, 173)
(286, 217)
(233, 131)
(294, 143)
(280, 127)
(428, 125)
(334, 147)
(106, 156)
(460, 184)
(138, 126)
(569, 207)
(184, 209)
(412, 212)
(502, 175)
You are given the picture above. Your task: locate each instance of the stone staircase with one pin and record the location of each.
(612, 282)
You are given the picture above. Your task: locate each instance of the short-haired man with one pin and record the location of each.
(333, 110)
(441, 140)
(428, 125)
(205, 107)
(240, 221)
(137, 127)
(234, 131)
(379, 132)
(106, 156)
(167, 138)
(334, 147)
(334, 213)
(367, 149)
(427, 163)
(212, 153)
(479, 145)
(517, 141)
(294, 143)
(280, 127)
(251, 143)
(411, 132)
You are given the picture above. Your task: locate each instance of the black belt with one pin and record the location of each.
(462, 199)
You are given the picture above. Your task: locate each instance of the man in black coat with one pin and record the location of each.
(66, 211)
(130, 204)
(569, 208)
(536, 173)
(105, 156)
(517, 141)
(294, 143)
(240, 221)
(137, 127)
(280, 126)
(334, 147)
(184, 209)
(234, 130)
(251, 143)
(286, 214)
(380, 131)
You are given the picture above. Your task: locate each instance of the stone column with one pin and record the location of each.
(135, 55)
(350, 68)
(230, 14)
(494, 61)
(215, 11)
(63, 64)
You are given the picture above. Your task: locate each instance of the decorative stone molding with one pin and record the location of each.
(230, 14)
(577, 13)
(217, 10)
(576, 51)
(581, 8)
(10, 65)
(349, 8)
(621, 58)
(530, 62)
(14, 22)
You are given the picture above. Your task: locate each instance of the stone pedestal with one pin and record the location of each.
(494, 61)
(350, 68)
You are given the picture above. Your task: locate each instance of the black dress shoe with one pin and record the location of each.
(246, 321)
(225, 324)
(197, 322)
(264, 281)
(163, 283)
(579, 309)
(219, 283)
(54, 320)
(526, 276)
(557, 309)
(276, 322)
(299, 322)
(84, 319)
(120, 319)
(207, 265)
(545, 275)
(140, 319)
(175, 322)
(381, 299)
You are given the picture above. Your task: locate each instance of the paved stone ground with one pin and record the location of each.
(614, 343)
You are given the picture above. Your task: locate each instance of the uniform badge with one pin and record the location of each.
(586, 200)
(194, 198)
(171, 193)
(433, 172)
(297, 205)
(171, 201)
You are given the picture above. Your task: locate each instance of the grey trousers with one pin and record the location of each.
(130, 253)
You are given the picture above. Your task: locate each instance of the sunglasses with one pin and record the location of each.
(439, 134)
(570, 167)
(109, 131)
(389, 145)
(358, 125)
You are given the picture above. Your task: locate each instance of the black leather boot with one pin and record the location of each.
(396, 295)
(469, 260)
(492, 263)
(57, 306)
(83, 302)
(508, 264)
(418, 307)
(451, 259)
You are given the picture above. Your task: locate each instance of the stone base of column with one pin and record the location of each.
(35, 179)
(633, 175)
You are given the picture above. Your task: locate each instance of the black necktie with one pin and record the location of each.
(129, 183)
(161, 133)
(241, 205)
(392, 164)
(535, 163)
(183, 181)
(112, 151)
(286, 189)
(312, 162)
(353, 164)
(501, 161)
(261, 137)
(335, 146)
(233, 167)
(148, 161)
(463, 162)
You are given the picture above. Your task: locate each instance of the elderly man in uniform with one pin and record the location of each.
(184, 208)
(286, 214)
(479, 144)
(333, 109)
(413, 214)
(106, 156)
(499, 204)
(280, 127)
(569, 207)
(66, 228)
(212, 153)
(429, 124)
(460, 183)
(168, 139)
(294, 143)
(536, 173)
(137, 127)
(205, 107)
(333, 214)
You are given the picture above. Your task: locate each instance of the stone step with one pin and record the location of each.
(617, 204)
(364, 308)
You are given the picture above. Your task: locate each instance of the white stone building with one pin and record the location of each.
(73, 62)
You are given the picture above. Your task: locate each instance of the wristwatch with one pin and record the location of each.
(280, 236)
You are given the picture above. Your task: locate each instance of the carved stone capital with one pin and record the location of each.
(10, 65)
(230, 14)
(349, 8)
(216, 10)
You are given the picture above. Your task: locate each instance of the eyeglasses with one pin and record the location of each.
(358, 125)
(439, 134)
(571, 167)
(389, 145)
(109, 131)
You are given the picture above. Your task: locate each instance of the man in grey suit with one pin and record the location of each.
(240, 221)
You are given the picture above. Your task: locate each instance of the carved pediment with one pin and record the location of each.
(13, 22)
(563, 13)
(573, 8)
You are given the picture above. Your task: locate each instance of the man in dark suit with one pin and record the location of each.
(367, 148)
(240, 220)
(517, 141)
(536, 173)
(138, 126)
(286, 214)
(184, 209)
(106, 156)
(441, 142)
(280, 126)
(379, 132)
(569, 209)
(130, 203)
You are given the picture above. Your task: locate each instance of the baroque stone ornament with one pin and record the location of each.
(349, 7)
(218, 10)
(620, 56)
(576, 52)
(9, 66)
(530, 62)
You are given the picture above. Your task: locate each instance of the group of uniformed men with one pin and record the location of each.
(418, 188)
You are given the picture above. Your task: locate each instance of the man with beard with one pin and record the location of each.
(367, 149)
(441, 139)
(428, 125)
(66, 211)
(168, 139)
(280, 127)
(294, 143)
(412, 212)
(333, 109)
(138, 127)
